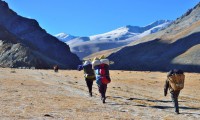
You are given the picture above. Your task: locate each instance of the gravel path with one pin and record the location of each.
(44, 94)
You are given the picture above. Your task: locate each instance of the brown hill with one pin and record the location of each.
(101, 53)
(175, 47)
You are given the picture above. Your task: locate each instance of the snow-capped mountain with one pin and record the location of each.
(130, 31)
(64, 37)
(84, 46)
(177, 46)
(152, 30)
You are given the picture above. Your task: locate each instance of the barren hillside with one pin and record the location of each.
(177, 46)
(31, 45)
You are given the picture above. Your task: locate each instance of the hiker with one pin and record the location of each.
(88, 74)
(55, 68)
(101, 68)
(175, 83)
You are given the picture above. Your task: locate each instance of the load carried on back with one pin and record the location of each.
(88, 74)
(174, 83)
(88, 71)
(101, 68)
(176, 79)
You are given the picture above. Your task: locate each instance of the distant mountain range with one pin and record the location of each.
(160, 46)
(84, 46)
(129, 31)
(23, 43)
(177, 46)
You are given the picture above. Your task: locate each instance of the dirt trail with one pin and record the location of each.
(44, 94)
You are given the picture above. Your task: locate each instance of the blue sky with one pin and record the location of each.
(90, 17)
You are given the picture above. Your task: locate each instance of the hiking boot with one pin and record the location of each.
(177, 112)
(90, 94)
(103, 100)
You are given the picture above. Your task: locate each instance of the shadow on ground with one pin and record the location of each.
(163, 101)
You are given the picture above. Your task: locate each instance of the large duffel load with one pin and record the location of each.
(96, 62)
(176, 79)
(105, 61)
(101, 68)
(88, 71)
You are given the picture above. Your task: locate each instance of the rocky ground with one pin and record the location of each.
(46, 95)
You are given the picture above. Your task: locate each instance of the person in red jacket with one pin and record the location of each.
(101, 68)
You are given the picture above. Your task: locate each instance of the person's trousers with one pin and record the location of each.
(102, 90)
(89, 84)
(174, 96)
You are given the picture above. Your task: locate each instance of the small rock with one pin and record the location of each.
(123, 110)
(47, 115)
(12, 71)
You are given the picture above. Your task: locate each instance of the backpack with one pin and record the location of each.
(89, 72)
(104, 73)
(176, 80)
(101, 68)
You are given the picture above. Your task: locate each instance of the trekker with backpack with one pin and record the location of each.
(175, 83)
(55, 68)
(88, 74)
(101, 67)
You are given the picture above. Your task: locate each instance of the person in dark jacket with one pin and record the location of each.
(55, 68)
(174, 94)
(88, 74)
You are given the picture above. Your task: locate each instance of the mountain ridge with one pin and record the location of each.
(84, 46)
(45, 47)
(177, 46)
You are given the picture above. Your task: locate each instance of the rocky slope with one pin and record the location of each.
(47, 50)
(16, 54)
(177, 46)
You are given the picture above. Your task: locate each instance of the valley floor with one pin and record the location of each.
(132, 95)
